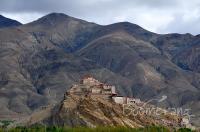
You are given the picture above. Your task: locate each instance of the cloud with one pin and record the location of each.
(66, 5)
(186, 23)
(161, 16)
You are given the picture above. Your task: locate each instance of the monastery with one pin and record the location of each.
(89, 86)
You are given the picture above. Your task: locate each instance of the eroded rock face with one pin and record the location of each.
(92, 112)
(81, 108)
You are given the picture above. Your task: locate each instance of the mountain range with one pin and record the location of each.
(40, 60)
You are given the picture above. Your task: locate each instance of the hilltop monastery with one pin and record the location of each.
(89, 86)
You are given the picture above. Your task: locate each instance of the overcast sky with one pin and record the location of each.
(160, 16)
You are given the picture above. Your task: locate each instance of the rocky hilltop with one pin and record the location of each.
(92, 112)
(87, 104)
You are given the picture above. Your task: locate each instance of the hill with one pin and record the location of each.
(91, 103)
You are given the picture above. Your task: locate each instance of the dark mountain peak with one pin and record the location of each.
(6, 22)
(1, 16)
(126, 24)
(55, 15)
(132, 29)
(52, 19)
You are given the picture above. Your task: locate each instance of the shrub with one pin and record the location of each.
(185, 130)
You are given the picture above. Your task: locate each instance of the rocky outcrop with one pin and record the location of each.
(82, 108)
(92, 112)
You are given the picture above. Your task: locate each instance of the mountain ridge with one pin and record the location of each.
(6, 22)
(39, 62)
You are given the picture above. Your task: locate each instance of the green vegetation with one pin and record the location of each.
(184, 130)
(5, 123)
(97, 129)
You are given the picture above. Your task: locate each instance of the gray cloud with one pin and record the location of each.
(183, 25)
(67, 5)
(162, 16)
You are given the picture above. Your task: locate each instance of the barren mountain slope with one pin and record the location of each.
(40, 60)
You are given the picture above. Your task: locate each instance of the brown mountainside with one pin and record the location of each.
(42, 59)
